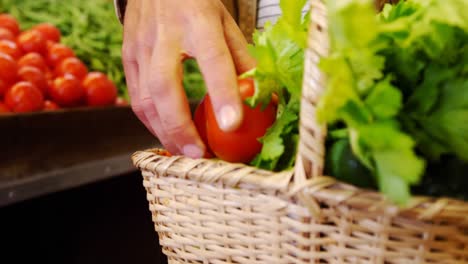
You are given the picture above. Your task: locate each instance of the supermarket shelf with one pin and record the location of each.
(48, 152)
(53, 181)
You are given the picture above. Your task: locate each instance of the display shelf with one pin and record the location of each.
(48, 152)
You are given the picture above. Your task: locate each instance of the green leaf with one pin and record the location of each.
(290, 11)
(346, 22)
(273, 141)
(339, 88)
(392, 186)
(384, 100)
(279, 52)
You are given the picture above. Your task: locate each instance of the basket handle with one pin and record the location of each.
(311, 146)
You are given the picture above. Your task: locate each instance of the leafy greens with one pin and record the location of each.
(397, 85)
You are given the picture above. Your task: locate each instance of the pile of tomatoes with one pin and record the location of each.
(38, 73)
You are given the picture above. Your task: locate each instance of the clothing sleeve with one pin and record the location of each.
(120, 6)
(243, 11)
(247, 17)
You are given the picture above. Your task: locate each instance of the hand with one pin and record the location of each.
(158, 36)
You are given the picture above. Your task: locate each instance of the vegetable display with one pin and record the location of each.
(90, 29)
(396, 97)
(37, 72)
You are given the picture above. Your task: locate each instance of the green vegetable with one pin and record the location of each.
(445, 177)
(435, 36)
(279, 51)
(398, 83)
(344, 165)
(360, 95)
(193, 82)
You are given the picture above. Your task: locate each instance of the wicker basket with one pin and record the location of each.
(209, 211)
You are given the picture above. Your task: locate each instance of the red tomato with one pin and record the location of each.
(66, 91)
(49, 45)
(58, 52)
(119, 101)
(3, 88)
(35, 60)
(73, 66)
(9, 47)
(49, 75)
(50, 106)
(48, 31)
(241, 145)
(6, 34)
(9, 22)
(4, 109)
(32, 41)
(100, 90)
(199, 118)
(8, 69)
(24, 97)
(34, 76)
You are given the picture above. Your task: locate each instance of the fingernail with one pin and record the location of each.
(228, 118)
(192, 151)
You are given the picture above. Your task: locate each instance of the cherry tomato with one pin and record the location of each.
(199, 118)
(66, 91)
(4, 109)
(73, 66)
(50, 106)
(49, 75)
(9, 22)
(120, 101)
(9, 47)
(24, 97)
(48, 31)
(3, 88)
(34, 76)
(58, 52)
(100, 90)
(8, 69)
(32, 41)
(241, 145)
(6, 34)
(35, 60)
(49, 45)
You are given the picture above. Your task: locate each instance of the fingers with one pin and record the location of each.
(130, 65)
(237, 45)
(217, 66)
(135, 52)
(164, 82)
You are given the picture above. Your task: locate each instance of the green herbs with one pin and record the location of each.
(193, 82)
(396, 98)
(397, 82)
(279, 51)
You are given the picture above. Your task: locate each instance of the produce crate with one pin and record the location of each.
(210, 211)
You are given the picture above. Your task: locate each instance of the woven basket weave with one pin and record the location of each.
(208, 211)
